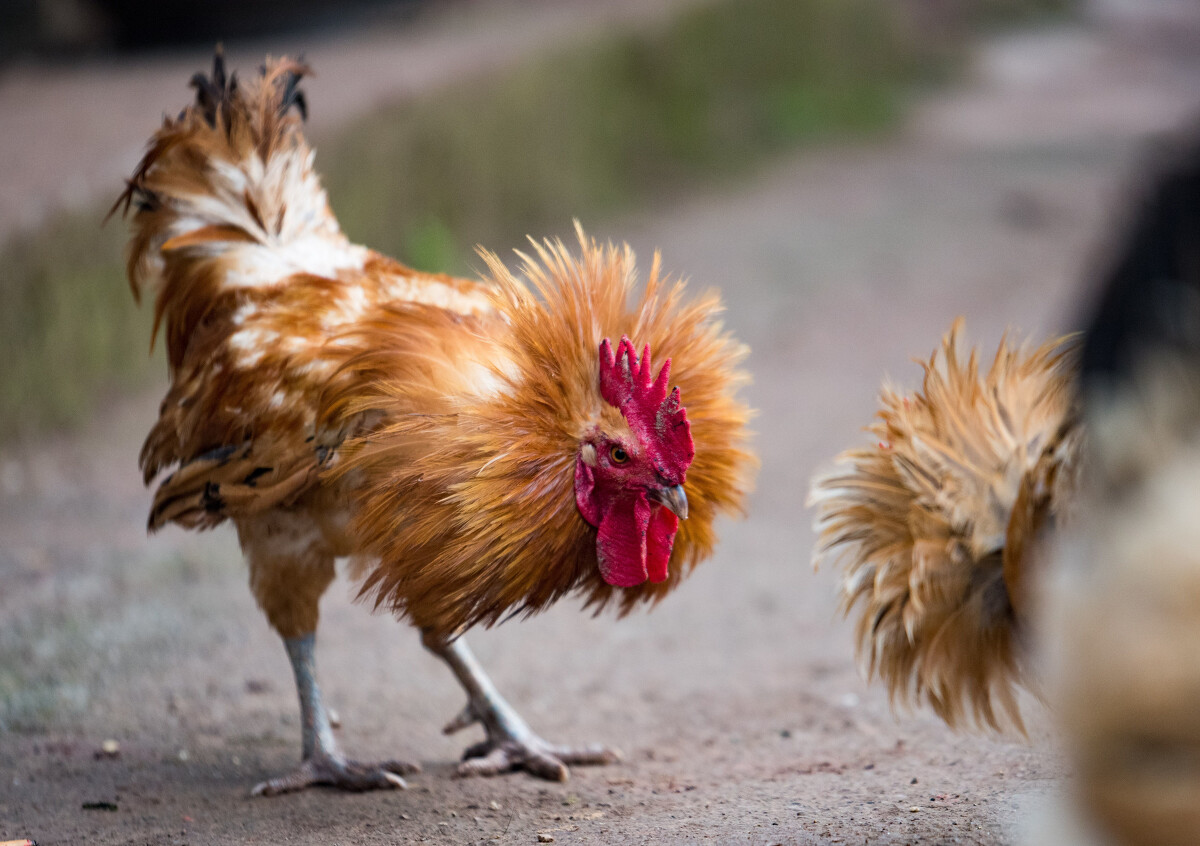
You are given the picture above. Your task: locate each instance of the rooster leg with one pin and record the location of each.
(290, 568)
(511, 743)
(323, 761)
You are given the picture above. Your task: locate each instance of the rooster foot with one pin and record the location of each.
(511, 743)
(533, 755)
(338, 772)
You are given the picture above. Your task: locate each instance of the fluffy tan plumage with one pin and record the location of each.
(332, 402)
(452, 478)
(933, 524)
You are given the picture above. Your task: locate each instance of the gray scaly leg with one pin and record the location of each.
(511, 743)
(323, 762)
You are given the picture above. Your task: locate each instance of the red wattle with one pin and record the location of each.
(634, 542)
(621, 541)
(659, 541)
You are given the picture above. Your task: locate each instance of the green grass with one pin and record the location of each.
(626, 120)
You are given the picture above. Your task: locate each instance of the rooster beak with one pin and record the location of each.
(674, 499)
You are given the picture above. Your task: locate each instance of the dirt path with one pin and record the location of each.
(737, 702)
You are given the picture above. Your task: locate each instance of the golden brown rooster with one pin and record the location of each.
(934, 524)
(480, 449)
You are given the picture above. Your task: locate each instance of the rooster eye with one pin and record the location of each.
(618, 455)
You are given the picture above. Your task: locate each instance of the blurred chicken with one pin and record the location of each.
(935, 524)
(479, 449)
(1121, 620)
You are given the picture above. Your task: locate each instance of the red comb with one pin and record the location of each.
(658, 420)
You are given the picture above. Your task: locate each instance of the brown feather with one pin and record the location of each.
(933, 525)
(468, 490)
(252, 278)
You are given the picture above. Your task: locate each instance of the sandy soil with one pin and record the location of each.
(737, 702)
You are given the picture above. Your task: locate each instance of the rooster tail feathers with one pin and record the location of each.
(932, 524)
(226, 201)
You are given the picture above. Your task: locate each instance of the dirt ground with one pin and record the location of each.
(737, 702)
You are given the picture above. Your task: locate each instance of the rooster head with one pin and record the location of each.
(629, 483)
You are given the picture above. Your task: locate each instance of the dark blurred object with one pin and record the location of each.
(1123, 616)
(1150, 298)
(57, 27)
(139, 24)
(52, 27)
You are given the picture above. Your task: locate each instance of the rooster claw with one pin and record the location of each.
(341, 773)
(533, 755)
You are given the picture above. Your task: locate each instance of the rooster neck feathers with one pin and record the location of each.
(472, 511)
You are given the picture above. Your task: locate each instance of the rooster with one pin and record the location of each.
(478, 449)
(935, 524)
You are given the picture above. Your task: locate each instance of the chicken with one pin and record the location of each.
(478, 449)
(1121, 627)
(1039, 525)
(935, 524)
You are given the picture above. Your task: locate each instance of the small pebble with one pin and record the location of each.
(110, 748)
(914, 809)
(494, 805)
(335, 719)
(545, 838)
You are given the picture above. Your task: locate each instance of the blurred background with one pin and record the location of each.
(851, 173)
(490, 121)
(72, 28)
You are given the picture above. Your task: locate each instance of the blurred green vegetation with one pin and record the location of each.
(69, 331)
(1007, 12)
(624, 120)
(618, 123)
